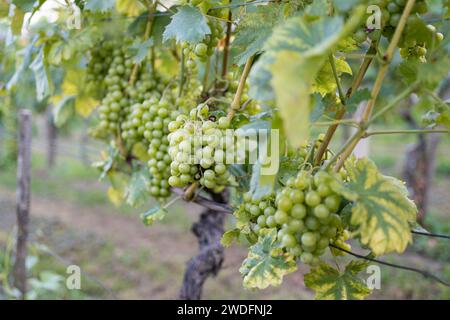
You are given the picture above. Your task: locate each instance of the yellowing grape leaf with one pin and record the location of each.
(330, 284)
(266, 263)
(75, 84)
(119, 183)
(152, 215)
(381, 210)
(84, 105)
(115, 196)
(229, 236)
(324, 82)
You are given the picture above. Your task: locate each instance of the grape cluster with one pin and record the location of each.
(411, 49)
(115, 105)
(391, 12)
(149, 124)
(143, 98)
(306, 215)
(198, 146)
(100, 58)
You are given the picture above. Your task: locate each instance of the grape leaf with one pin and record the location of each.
(417, 30)
(266, 264)
(263, 178)
(43, 87)
(330, 284)
(292, 93)
(115, 196)
(119, 182)
(324, 82)
(187, 25)
(63, 110)
(255, 28)
(136, 192)
(230, 236)
(107, 163)
(74, 84)
(381, 210)
(99, 5)
(85, 104)
(429, 74)
(152, 215)
(295, 52)
(20, 70)
(139, 49)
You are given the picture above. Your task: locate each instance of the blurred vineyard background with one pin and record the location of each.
(74, 222)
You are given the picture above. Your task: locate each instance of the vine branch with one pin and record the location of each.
(235, 105)
(424, 273)
(368, 57)
(367, 112)
(226, 46)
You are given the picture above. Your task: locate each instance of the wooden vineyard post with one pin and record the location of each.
(23, 200)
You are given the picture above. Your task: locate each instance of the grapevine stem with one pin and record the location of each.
(352, 122)
(378, 82)
(182, 70)
(189, 193)
(424, 273)
(387, 59)
(226, 47)
(417, 131)
(206, 75)
(340, 113)
(336, 78)
(238, 96)
(347, 145)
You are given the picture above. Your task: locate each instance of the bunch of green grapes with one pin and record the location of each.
(306, 212)
(143, 98)
(100, 58)
(198, 145)
(307, 216)
(411, 49)
(147, 123)
(391, 12)
(115, 105)
(260, 211)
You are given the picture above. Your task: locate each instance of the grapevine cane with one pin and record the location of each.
(341, 112)
(378, 82)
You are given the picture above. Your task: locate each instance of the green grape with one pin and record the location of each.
(312, 198)
(281, 217)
